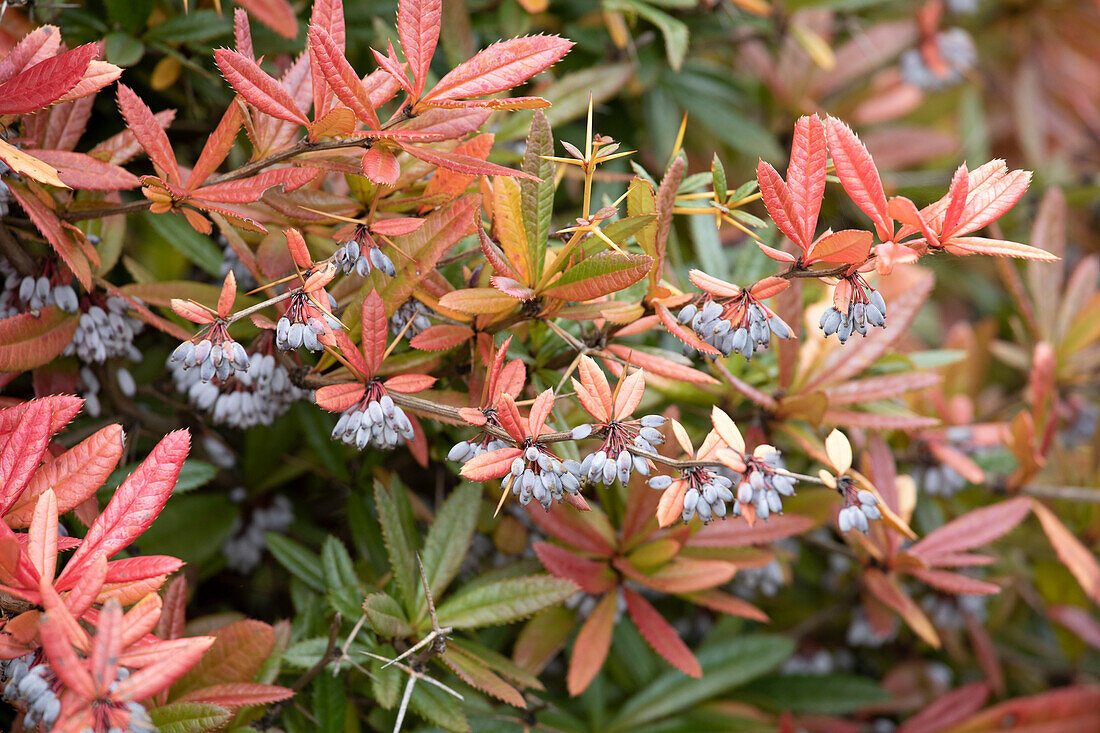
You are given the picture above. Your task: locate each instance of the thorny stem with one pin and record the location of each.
(330, 654)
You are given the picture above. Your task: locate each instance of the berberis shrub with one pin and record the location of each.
(496, 428)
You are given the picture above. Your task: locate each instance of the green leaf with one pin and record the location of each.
(504, 601)
(708, 246)
(386, 682)
(197, 25)
(726, 665)
(718, 178)
(122, 49)
(395, 515)
(386, 616)
(189, 717)
(448, 540)
(595, 276)
(623, 229)
(538, 196)
(194, 529)
(129, 15)
(436, 706)
(196, 247)
(499, 663)
(301, 563)
(336, 564)
(329, 702)
(833, 694)
(675, 31)
(193, 474)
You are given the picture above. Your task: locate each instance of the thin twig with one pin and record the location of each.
(273, 712)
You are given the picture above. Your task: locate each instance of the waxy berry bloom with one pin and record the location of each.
(856, 305)
(730, 319)
(212, 350)
(860, 505)
(20, 294)
(308, 320)
(374, 420)
(620, 432)
(105, 331)
(529, 469)
(501, 379)
(253, 396)
(361, 254)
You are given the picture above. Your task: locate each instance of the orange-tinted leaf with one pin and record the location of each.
(661, 366)
(340, 76)
(237, 694)
(1000, 247)
(947, 710)
(953, 582)
(277, 15)
(23, 450)
(540, 411)
(858, 174)
(589, 532)
(1074, 555)
(887, 590)
(409, 383)
(806, 173)
(27, 341)
(1075, 708)
(490, 465)
(595, 383)
(686, 335)
(687, 575)
(501, 66)
(722, 602)
(250, 190)
(339, 397)
(237, 654)
(77, 170)
(217, 146)
(149, 134)
(714, 286)
(396, 227)
(631, 389)
(375, 331)
(660, 634)
(591, 646)
(462, 163)
(45, 218)
(781, 207)
(441, 337)
(418, 23)
(257, 88)
(327, 14)
(847, 247)
(988, 203)
(474, 671)
(478, 301)
(879, 388)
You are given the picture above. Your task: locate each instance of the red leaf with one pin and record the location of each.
(858, 174)
(45, 218)
(340, 76)
(591, 646)
(375, 331)
(275, 14)
(947, 710)
(973, 529)
(217, 146)
(660, 634)
(339, 397)
(149, 134)
(329, 15)
(59, 408)
(1000, 247)
(136, 503)
(781, 207)
(397, 227)
(806, 173)
(82, 171)
(40, 44)
(589, 532)
(684, 334)
(659, 365)
(594, 382)
(490, 465)
(74, 475)
(238, 694)
(953, 582)
(717, 600)
(296, 243)
(712, 285)
(23, 450)
(630, 394)
(1074, 555)
(1068, 709)
(847, 247)
(1079, 621)
(956, 201)
(879, 388)
(159, 676)
(133, 569)
(739, 534)
(591, 576)
(250, 190)
(257, 88)
(409, 383)
(682, 574)
(501, 66)
(475, 671)
(46, 81)
(418, 23)
(463, 163)
(887, 590)
(380, 165)
(66, 665)
(394, 68)
(988, 203)
(239, 651)
(27, 341)
(441, 337)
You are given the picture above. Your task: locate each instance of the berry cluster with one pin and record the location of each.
(257, 395)
(31, 687)
(410, 319)
(375, 420)
(246, 544)
(215, 354)
(105, 332)
(90, 387)
(614, 460)
(232, 263)
(706, 496)
(859, 506)
(741, 325)
(540, 475)
(763, 486)
(21, 294)
(304, 322)
(954, 54)
(361, 254)
(464, 450)
(866, 308)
